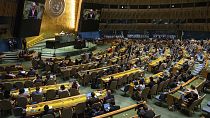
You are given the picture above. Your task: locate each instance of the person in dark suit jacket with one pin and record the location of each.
(47, 110)
(152, 82)
(92, 100)
(33, 12)
(109, 96)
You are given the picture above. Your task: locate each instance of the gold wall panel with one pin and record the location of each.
(65, 22)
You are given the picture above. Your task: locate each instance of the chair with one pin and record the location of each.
(124, 80)
(160, 69)
(28, 84)
(19, 85)
(73, 71)
(93, 74)
(5, 105)
(74, 92)
(165, 84)
(192, 107)
(66, 74)
(55, 68)
(145, 93)
(7, 86)
(120, 82)
(200, 87)
(37, 98)
(18, 112)
(113, 85)
(67, 113)
(86, 79)
(130, 78)
(22, 102)
(63, 94)
(80, 109)
(51, 82)
(51, 94)
(153, 90)
(160, 87)
(41, 63)
(48, 68)
(126, 89)
(38, 84)
(136, 75)
(48, 116)
(34, 63)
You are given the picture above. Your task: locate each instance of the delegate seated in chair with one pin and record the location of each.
(189, 97)
(109, 97)
(93, 99)
(37, 92)
(144, 112)
(47, 110)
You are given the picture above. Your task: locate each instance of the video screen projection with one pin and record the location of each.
(91, 14)
(33, 10)
(29, 18)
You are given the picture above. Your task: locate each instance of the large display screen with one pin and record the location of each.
(33, 10)
(91, 14)
(29, 18)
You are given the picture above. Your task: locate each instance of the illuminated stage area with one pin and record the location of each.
(64, 51)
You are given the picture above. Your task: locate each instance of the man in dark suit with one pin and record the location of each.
(47, 111)
(92, 100)
(33, 12)
(110, 97)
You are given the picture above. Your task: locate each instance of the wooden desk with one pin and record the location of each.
(155, 77)
(44, 89)
(12, 81)
(121, 74)
(122, 50)
(154, 63)
(36, 109)
(126, 112)
(179, 65)
(175, 95)
(77, 66)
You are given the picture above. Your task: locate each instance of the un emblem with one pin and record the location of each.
(56, 7)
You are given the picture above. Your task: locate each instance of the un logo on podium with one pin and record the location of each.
(55, 8)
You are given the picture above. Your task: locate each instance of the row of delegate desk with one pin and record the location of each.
(81, 73)
(118, 76)
(12, 81)
(58, 104)
(147, 81)
(43, 89)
